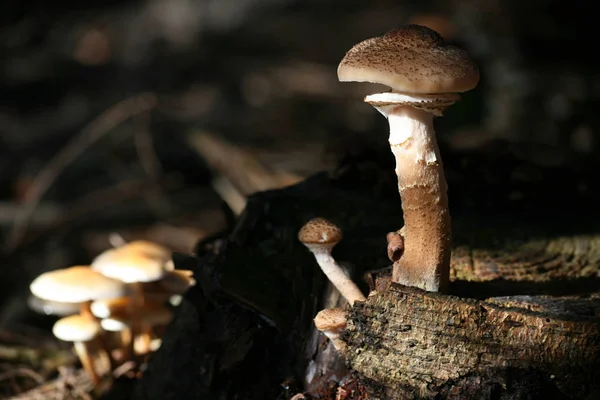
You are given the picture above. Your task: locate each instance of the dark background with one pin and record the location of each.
(261, 76)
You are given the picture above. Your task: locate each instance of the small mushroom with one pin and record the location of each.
(395, 246)
(331, 322)
(320, 236)
(424, 74)
(133, 268)
(80, 330)
(49, 307)
(78, 284)
(147, 318)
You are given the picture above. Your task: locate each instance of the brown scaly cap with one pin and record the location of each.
(331, 319)
(410, 59)
(320, 231)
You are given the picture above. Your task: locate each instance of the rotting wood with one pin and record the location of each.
(414, 344)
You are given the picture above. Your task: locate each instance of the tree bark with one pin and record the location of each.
(409, 343)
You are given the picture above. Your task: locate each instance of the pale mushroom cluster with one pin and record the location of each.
(115, 308)
(424, 75)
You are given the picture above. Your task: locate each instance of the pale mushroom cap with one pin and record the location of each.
(331, 319)
(148, 249)
(129, 267)
(114, 324)
(105, 308)
(410, 59)
(49, 307)
(320, 232)
(76, 328)
(76, 285)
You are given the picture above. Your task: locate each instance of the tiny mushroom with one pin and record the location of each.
(320, 236)
(80, 330)
(424, 74)
(331, 322)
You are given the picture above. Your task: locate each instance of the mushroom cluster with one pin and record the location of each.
(115, 308)
(424, 75)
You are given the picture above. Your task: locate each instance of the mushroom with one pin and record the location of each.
(172, 286)
(133, 268)
(320, 236)
(424, 74)
(331, 322)
(78, 284)
(149, 249)
(80, 330)
(49, 307)
(150, 316)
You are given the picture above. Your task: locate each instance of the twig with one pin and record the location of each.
(149, 162)
(104, 123)
(22, 371)
(103, 198)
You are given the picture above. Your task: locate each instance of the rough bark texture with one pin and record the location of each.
(422, 186)
(416, 344)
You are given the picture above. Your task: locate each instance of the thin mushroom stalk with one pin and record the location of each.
(86, 361)
(320, 236)
(336, 274)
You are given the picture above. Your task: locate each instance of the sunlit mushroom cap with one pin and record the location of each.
(320, 232)
(129, 267)
(148, 249)
(76, 285)
(76, 328)
(410, 59)
(331, 320)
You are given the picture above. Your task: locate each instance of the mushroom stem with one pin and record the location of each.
(86, 361)
(136, 309)
(84, 309)
(425, 262)
(337, 276)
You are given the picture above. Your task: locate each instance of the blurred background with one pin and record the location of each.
(155, 119)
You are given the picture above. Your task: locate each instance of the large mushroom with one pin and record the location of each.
(424, 74)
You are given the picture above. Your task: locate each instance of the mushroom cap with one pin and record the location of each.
(320, 232)
(331, 319)
(149, 249)
(128, 266)
(176, 281)
(105, 308)
(76, 328)
(410, 59)
(76, 285)
(49, 307)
